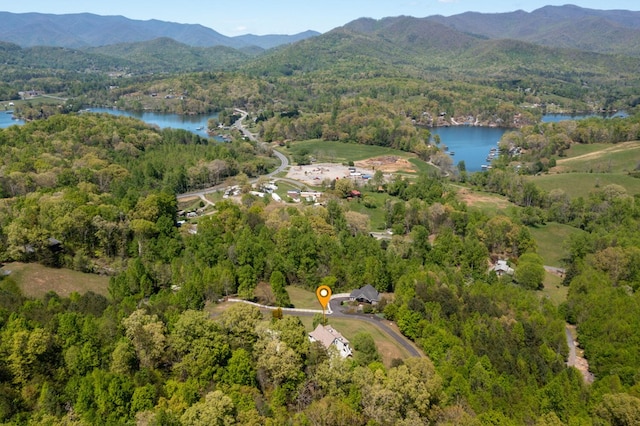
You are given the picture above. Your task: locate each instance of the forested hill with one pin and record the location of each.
(89, 30)
(603, 31)
(407, 46)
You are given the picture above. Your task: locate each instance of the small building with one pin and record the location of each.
(329, 336)
(367, 294)
(501, 267)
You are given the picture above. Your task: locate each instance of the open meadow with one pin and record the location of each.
(589, 167)
(340, 152)
(36, 280)
(550, 238)
(583, 184)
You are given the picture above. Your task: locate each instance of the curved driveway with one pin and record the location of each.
(335, 310)
(335, 306)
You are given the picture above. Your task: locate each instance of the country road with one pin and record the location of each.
(284, 164)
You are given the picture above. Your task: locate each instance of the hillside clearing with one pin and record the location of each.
(36, 280)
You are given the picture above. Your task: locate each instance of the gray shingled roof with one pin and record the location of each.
(368, 293)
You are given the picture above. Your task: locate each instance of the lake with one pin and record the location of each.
(7, 120)
(193, 123)
(554, 118)
(469, 143)
(472, 144)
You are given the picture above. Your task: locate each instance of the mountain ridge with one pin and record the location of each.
(84, 30)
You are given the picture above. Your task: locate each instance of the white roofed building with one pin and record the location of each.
(329, 336)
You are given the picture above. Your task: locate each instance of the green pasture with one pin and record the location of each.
(36, 280)
(341, 152)
(550, 239)
(578, 149)
(600, 158)
(582, 184)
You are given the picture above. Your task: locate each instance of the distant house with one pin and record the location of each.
(366, 294)
(329, 336)
(501, 267)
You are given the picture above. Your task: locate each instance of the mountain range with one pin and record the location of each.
(84, 30)
(552, 41)
(603, 31)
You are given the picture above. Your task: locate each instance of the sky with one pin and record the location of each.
(261, 17)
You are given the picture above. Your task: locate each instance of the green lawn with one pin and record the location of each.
(550, 238)
(341, 152)
(387, 346)
(582, 184)
(302, 298)
(377, 214)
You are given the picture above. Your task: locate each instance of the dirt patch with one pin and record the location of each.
(388, 164)
(472, 198)
(315, 174)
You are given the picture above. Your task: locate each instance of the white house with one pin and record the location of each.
(501, 267)
(329, 336)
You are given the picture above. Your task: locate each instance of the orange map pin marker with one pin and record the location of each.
(323, 293)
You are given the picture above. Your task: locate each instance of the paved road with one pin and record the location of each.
(284, 163)
(335, 310)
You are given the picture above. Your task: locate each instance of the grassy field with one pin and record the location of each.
(36, 280)
(303, 299)
(550, 238)
(582, 184)
(486, 202)
(554, 290)
(376, 215)
(340, 152)
(421, 166)
(589, 167)
(601, 158)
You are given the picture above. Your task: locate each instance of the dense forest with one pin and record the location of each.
(98, 194)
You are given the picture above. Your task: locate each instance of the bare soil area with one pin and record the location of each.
(388, 164)
(314, 174)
